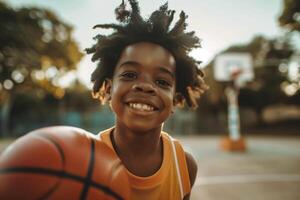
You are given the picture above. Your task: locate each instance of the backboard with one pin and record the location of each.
(227, 64)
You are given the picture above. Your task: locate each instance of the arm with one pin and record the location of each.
(192, 168)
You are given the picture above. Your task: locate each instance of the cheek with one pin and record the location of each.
(171, 95)
(115, 100)
(116, 90)
(169, 101)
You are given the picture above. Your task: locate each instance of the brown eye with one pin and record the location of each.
(163, 83)
(129, 75)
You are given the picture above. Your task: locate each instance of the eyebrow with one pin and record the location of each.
(162, 69)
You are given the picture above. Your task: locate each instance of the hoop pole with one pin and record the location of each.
(233, 113)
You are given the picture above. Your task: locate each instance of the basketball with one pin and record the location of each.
(61, 163)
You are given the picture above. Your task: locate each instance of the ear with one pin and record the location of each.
(173, 109)
(175, 102)
(178, 101)
(107, 89)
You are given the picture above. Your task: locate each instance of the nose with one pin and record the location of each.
(144, 87)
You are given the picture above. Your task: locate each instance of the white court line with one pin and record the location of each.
(212, 180)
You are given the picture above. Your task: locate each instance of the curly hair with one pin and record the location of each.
(156, 29)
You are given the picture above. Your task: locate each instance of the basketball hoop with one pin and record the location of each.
(235, 74)
(234, 70)
(236, 78)
(234, 66)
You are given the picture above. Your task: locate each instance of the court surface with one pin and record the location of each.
(268, 170)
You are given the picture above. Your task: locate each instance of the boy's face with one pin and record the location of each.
(143, 86)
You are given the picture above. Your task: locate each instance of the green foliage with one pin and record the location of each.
(290, 17)
(32, 41)
(36, 50)
(266, 88)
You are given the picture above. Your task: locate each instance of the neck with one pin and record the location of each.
(136, 143)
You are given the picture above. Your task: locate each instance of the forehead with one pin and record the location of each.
(148, 54)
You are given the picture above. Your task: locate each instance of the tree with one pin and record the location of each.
(290, 17)
(290, 20)
(266, 89)
(36, 50)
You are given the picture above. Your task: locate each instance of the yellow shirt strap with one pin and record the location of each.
(177, 167)
(181, 167)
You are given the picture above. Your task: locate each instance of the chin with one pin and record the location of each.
(143, 127)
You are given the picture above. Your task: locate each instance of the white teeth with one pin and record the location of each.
(141, 106)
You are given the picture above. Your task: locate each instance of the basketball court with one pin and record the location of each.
(268, 170)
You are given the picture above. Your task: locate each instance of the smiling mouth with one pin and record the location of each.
(141, 107)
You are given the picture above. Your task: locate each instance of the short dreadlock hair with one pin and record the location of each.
(156, 29)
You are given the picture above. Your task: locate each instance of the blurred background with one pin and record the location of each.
(45, 74)
(45, 80)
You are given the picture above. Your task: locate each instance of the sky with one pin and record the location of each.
(219, 23)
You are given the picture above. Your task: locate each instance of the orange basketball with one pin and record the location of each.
(61, 163)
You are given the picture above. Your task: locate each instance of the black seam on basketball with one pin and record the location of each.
(87, 180)
(50, 192)
(60, 150)
(60, 174)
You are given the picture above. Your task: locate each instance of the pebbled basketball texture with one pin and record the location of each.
(61, 163)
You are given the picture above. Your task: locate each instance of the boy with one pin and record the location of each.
(144, 71)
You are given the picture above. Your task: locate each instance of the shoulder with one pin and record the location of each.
(191, 163)
(192, 167)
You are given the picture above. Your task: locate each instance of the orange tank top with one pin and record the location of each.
(170, 182)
